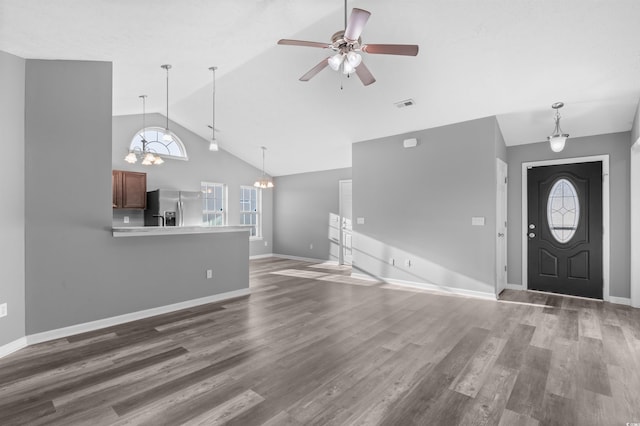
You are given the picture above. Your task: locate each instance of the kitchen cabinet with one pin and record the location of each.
(129, 190)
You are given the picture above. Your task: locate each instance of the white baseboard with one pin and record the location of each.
(305, 259)
(10, 348)
(620, 300)
(261, 256)
(430, 287)
(120, 319)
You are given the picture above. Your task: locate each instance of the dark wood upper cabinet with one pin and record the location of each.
(129, 190)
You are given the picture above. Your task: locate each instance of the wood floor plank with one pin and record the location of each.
(526, 397)
(313, 346)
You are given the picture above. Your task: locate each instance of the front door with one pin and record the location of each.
(564, 229)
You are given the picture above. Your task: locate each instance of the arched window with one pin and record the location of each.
(172, 148)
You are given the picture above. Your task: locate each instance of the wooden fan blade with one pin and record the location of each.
(355, 24)
(288, 42)
(315, 70)
(391, 49)
(364, 74)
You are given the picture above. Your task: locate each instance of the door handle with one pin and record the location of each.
(500, 234)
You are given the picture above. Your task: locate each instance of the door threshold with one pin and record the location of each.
(565, 295)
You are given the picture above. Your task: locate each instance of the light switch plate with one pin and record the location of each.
(3, 310)
(477, 221)
(360, 221)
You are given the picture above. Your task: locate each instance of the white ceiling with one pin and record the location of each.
(509, 58)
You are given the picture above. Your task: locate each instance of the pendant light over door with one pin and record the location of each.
(557, 139)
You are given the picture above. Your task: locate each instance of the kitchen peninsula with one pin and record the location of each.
(138, 231)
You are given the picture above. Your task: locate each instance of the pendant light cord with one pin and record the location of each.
(213, 105)
(345, 15)
(144, 127)
(167, 67)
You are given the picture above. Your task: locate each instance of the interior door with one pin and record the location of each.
(346, 226)
(501, 226)
(564, 229)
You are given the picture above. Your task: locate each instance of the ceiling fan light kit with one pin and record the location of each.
(558, 139)
(347, 46)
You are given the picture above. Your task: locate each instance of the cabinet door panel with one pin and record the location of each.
(116, 188)
(134, 190)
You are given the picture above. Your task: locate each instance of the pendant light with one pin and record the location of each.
(167, 134)
(264, 181)
(213, 145)
(557, 139)
(148, 157)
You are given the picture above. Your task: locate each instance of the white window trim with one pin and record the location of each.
(258, 236)
(225, 202)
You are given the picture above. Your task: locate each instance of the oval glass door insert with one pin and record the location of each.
(563, 210)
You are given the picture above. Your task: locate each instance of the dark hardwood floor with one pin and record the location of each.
(313, 346)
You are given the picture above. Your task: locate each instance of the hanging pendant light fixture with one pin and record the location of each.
(147, 156)
(213, 145)
(264, 181)
(167, 134)
(557, 139)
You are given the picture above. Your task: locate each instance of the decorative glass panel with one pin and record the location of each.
(563, 210)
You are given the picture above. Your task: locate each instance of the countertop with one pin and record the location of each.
(142, 231)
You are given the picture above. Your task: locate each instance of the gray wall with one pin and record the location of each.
(617, 147)
(76, 271)
(417, 204)
(203, 165)
(12, 70)
(303, 204)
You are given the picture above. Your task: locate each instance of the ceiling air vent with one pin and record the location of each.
(405, 103)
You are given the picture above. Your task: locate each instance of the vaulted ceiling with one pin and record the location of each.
(508, 58)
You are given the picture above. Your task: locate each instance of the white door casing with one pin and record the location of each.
(501, 225)
(605, 214)
(346, 227)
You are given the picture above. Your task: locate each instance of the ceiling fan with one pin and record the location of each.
(347, 44)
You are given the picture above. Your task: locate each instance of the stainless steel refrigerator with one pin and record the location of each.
(170, 207)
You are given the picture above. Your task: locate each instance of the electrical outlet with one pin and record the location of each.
(3, 310)
(310, 246)
(126, 219)
(266, 243)
(209, 274)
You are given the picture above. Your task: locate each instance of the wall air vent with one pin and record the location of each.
(405, 103)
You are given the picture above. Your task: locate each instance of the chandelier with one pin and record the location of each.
(264, 181)
(148, 157)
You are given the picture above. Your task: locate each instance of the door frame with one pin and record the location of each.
(605, 214)
(340, 208)
(504, 208)
(635, 224)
